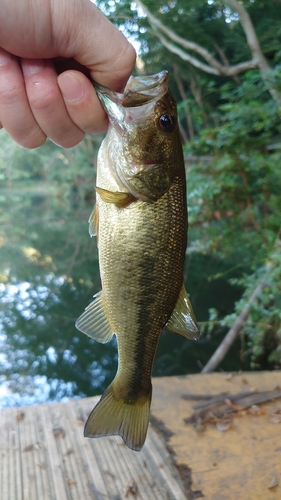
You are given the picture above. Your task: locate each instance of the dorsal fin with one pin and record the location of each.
(183, 320)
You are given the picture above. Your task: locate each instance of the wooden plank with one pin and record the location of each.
(5, 445)
(17, 459)
(64, 445)
(55, 466)
(45, 455)
(107, 466)
(126, 479)
(12, 444)
(94, 479)
(74, 458)
(139, 473)
(14, 479)
(29, 449)
(162, 461)
(247, 455)
(131, 470)
(43, 483)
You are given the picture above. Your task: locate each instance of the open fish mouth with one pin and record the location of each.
(139, 90)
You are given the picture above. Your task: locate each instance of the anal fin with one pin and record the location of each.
(182, 320)
(94, 323)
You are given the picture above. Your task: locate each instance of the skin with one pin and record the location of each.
(46, 49)
(141, 257)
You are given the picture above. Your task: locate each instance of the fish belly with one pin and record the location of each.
(141, 255)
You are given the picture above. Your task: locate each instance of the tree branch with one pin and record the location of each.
(231, 336)
(251, 36)
(184, 98)
(185, 56)
(213, 67)
(253, 42)
(187, 44)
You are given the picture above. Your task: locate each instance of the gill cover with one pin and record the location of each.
(141, 135)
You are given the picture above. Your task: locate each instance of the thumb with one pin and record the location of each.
(48, 29)
(93, 41)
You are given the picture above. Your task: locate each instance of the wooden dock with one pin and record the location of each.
(44, 456)
(235, 460)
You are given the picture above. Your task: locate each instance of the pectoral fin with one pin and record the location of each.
(94, 323)
(183, 320)
(119, 199)
(94, 222)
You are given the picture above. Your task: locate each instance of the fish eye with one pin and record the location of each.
(167, 123)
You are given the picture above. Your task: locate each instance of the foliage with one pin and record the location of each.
(232, 135)
(213, 26)
(238, 205)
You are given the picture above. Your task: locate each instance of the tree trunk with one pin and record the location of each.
(231, 336)
(184, 98)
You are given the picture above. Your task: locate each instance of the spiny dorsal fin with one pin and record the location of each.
(183, 320)
(94, 222)
(94, 323)
(119, 199)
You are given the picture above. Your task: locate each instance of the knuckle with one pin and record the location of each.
(32, 140)
(9, 96)
(41, 101)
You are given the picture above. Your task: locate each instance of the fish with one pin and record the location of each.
(140, 220)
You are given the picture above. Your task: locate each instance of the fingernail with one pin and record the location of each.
(70, 86)
(32, 66)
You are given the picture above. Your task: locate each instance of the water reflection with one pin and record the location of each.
(49, 273)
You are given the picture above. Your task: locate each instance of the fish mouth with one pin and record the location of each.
(141, 90)
(138, 91)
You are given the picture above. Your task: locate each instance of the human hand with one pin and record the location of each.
(42, 39)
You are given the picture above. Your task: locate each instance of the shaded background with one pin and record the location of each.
(232, 141)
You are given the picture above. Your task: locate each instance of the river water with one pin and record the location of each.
(48, 274)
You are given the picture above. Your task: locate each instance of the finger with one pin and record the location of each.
(50, 29)
(100, 46)
(82, 102)
(47, 104)
(15, 113)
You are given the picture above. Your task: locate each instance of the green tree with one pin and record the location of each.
(230, 124)
(235, 197)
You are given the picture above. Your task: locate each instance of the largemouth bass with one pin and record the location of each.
(140, 220)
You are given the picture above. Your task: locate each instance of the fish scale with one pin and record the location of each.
(140, 220)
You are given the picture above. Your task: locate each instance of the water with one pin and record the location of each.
(48, 274)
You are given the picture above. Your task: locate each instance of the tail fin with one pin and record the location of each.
(114, 416)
